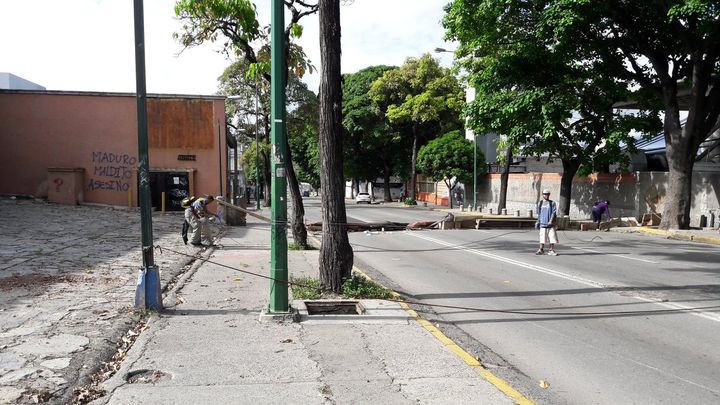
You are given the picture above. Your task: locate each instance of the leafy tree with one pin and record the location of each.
(663, 46)
(656, 46)
(235, 23)
(449, 158)
(302, 128)
(242, 115)
(421, 99)
(249, 160)
(301, 120)
(370, 144)
(336, 254)
(547, 98)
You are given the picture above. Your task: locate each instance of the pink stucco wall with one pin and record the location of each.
(98, 132)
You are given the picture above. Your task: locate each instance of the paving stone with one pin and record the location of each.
(56, 364)
(55, 345)
(9, 395)
(21, 331)
(10, 361)
(74, 270)
(17, 375)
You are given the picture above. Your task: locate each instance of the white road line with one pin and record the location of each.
(584, 281)
(616, 255)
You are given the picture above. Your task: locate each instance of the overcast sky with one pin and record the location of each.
(87, 45)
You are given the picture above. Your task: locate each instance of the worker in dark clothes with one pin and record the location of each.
(601, 207)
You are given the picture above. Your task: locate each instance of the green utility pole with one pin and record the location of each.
(147, 293)
(257, 147)
(278, 230)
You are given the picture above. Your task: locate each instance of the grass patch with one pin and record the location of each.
(355, 287)
(295, 246)
(410, 202)
(361, 287)
(308, 288)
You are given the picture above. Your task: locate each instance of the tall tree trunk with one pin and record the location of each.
(336, 255)
(413, 169)
(450, 192)
(299, 231)
(266, 179)
(676, 212)
(386, 185)
(298, 218)
(566, 181)
(504, 177)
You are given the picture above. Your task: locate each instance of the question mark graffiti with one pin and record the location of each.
(58, 182)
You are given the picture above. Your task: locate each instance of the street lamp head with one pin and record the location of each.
(440, 50)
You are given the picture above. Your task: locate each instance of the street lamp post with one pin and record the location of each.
(147, 293)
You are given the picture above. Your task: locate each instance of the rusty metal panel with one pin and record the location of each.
(180, 123)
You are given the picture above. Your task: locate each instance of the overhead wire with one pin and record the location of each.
(458, 307)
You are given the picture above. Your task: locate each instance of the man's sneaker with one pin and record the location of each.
(552, 253)
(539, 252)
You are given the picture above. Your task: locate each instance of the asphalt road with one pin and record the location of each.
(374, 213)
(616, 318)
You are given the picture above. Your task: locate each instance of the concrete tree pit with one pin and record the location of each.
(366, 311)
(334, 308)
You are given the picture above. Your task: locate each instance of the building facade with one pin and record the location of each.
(48, 134)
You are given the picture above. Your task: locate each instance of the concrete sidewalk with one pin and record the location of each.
(211, 348)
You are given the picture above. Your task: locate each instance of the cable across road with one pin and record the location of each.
(460, 307)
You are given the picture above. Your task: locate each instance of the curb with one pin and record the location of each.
(680, 236)
(466, 357)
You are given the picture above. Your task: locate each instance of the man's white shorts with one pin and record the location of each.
(548, 235)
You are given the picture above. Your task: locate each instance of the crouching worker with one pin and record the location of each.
(198, 217)
(601, 207)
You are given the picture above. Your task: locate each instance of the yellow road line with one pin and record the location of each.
(681, 236)
(471, 361)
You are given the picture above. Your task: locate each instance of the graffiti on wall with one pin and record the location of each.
(111, 171)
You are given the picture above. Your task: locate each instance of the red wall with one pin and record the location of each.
(98, 132)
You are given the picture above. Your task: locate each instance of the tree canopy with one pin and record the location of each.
(370, 144)
(234, 22)
(549, 98)
(653, 47)
(421, 100)
(449, 157)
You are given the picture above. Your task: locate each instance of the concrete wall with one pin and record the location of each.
(630, 194)
(98, 133)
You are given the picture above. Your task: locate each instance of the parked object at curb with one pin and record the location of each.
(363, 198)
